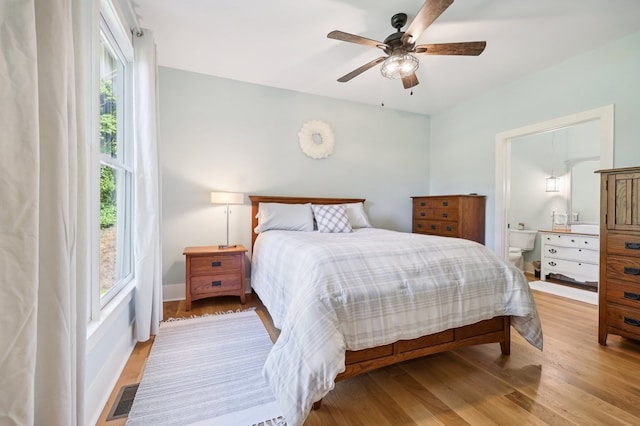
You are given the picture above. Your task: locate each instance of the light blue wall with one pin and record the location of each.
(219, 134)
(463, 138)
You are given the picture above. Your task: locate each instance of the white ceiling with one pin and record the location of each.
(283, 43)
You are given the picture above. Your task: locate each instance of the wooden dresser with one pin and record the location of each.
(619, 304)
(213, 271)
(460, 216)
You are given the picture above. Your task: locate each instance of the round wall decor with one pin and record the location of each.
(316, 139)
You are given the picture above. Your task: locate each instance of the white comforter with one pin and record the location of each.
(331, 292)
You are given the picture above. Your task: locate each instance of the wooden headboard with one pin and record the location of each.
(256, 199)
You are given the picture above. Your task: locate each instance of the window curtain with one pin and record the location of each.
(44, 186)
(147, 245)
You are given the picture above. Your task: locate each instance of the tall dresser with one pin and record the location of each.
(619, 310)
(460, 216)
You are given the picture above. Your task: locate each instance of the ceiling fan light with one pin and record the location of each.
(399, 65)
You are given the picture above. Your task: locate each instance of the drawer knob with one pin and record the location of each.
(552, 263)
(632, 296)
(216, 283)
(632, 246)
(449, 228)
(553, 251)
(216, 264)
(419, 225)
(631, 271)
(422, 204)
(423, 214)
(433, 227)
(632, 321)
(445, 214)
(445, 203)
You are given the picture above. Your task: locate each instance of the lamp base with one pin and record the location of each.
(226, 246)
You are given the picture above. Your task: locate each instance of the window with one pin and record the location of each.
(115, 163)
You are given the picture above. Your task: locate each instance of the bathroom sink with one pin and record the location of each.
(585, 228)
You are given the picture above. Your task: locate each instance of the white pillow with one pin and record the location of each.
(357, 217)
(287, 217)
(331, 217)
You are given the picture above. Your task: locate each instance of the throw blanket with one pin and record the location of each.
(332, 292)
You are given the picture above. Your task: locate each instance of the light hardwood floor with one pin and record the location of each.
(573, 380)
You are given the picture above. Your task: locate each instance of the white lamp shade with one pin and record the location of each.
(227, 198)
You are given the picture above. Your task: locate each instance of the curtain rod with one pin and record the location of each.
(136, 25)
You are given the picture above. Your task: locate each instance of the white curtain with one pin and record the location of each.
(147, 246)
(43, 213)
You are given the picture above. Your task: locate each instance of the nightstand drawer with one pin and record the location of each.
(216, 264)
(214, 283)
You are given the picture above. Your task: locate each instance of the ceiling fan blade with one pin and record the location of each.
(469, 48)
(352, 38)
(410, 81)
(429, 12)
(361, 69)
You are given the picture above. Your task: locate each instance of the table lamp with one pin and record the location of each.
(227, 198)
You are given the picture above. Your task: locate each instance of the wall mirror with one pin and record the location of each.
(584, 190)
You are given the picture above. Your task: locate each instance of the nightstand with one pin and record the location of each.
(212, 271)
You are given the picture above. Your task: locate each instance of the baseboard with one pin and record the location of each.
(565, 291)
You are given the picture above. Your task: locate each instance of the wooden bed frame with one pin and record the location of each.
(494, 330)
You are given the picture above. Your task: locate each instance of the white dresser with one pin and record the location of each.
(575, 256)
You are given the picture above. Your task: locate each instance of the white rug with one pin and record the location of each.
(207, 371)
(586, 296)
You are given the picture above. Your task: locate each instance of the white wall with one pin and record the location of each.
(462, 156)
(219, 134)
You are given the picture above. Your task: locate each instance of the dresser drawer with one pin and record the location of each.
(624, 319)
(623, 293)
(214, 283)
(576, 254)
(215, 264)
(576, 270)
(623, 268)
(434, 227)
(571, 240)
(624, 244)
(436, 202)
(446, 214)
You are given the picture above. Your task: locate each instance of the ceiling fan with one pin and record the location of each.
(401, 62)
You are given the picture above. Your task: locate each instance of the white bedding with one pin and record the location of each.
(331, 292)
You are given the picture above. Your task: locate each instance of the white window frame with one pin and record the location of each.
(113, 32)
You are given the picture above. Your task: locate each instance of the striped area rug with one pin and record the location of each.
(207, 371)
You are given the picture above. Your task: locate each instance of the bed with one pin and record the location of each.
(351, 302)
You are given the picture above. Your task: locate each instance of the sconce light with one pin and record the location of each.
(227, 198)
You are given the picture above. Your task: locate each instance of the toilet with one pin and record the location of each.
(520, 241)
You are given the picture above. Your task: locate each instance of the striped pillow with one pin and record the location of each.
(331, 217)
